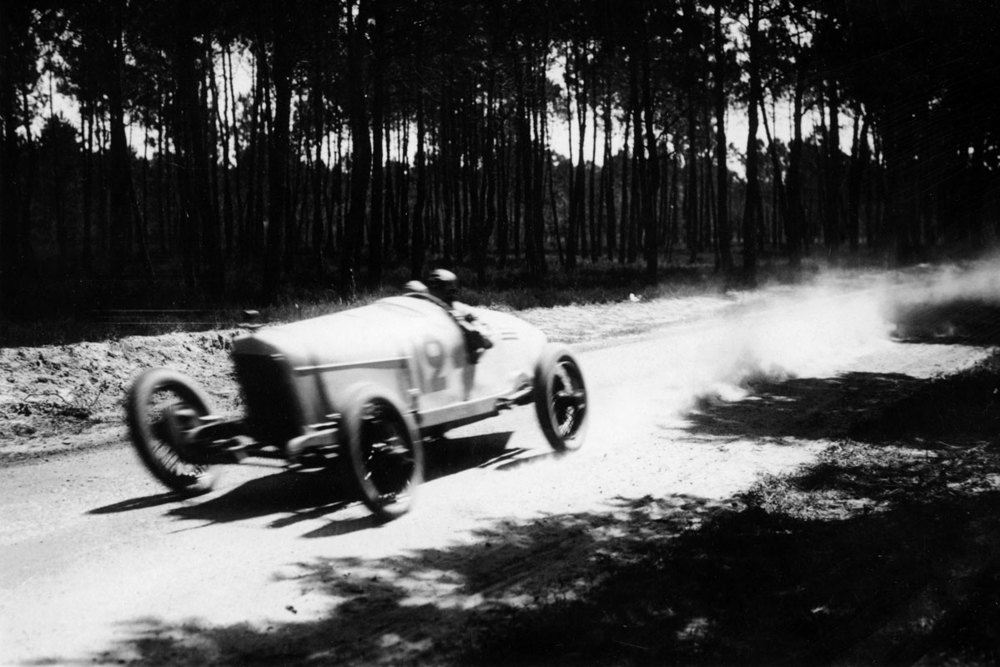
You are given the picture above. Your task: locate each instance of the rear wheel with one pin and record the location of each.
(560, 398)
(386, 453)
(162, 407)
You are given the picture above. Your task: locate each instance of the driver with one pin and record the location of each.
(443, 284)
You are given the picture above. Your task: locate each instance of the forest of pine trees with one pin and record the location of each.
(227, 148)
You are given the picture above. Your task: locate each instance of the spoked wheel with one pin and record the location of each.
(560, 398)
(386, 453)
(163, 406)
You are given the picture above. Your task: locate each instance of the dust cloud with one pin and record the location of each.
(818, 331)
(977, 281)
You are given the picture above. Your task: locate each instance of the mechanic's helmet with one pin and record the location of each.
(443, 284)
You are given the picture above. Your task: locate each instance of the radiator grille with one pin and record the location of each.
(272, 411)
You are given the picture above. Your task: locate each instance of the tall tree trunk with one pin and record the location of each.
(446, 160)
(194, 172)
(503, 194)
(795, 223)
(376, 222)
(724, 232)
(491, 160)
(751, 221)
(832, 231)
(626, 204)
(361, 156)
(592, 205)
(898, 182)
(278, 224)
(13, 30)
(579, 182)
(638, 154)
(225, 132)
(607, 176)
(417, 241)
(528, 176)
(233, 180)
(543, 165)
(121, 176)
(318, 170)
(572, 216)
(691, 190)
(652, 176)
(859, 165)
(779, 196)
(87, 165)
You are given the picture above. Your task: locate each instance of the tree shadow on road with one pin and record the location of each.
(859, 405)
(803, 408)
(956, 321)
(652, 581)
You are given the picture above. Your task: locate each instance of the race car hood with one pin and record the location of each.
(370, 333)
(375, 332)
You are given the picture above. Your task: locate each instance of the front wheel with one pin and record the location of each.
(386, 453)
(162, 407)
(560, 398)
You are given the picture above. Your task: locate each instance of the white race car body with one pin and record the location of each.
(296, 376)
(361, 389)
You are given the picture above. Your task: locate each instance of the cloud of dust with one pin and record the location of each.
(818, 330)
(936, 284)
(813, 332)
(823, 329)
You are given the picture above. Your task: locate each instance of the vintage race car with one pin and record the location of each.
(360, 391)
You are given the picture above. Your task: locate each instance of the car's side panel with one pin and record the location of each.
(499, 372)
(410, 348)
(439, 356)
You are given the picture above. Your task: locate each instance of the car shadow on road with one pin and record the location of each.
(137, 503)
(294, 496)
(449, 455)
(288, 496)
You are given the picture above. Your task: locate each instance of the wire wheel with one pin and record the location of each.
(560, 398)
(386, 454)
(162, 407)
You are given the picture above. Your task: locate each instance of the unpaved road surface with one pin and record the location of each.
(99, 565)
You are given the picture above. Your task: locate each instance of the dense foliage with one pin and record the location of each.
(228, 147)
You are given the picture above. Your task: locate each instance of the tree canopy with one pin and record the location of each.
(247, 147)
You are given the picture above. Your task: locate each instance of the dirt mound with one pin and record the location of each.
(52, 391)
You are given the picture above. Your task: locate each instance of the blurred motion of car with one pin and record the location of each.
(359, 391)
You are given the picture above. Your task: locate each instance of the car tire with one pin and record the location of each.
(560, 396)
(386, 454)
(160, 405)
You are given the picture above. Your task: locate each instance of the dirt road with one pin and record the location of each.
(99, 565)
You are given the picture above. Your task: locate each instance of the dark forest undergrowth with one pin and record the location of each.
(65, 311)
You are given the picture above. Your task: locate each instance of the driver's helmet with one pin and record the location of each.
(414, 286)
(443, 284)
